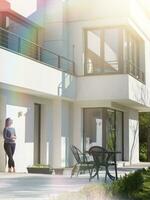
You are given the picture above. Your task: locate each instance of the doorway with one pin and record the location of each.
(37, 133)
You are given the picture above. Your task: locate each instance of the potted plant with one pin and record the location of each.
(40, 169)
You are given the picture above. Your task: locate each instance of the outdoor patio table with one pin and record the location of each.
(108, 162)
(112, 154)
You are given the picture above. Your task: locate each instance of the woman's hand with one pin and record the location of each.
(13, 137)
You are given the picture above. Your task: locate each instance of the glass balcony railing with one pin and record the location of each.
(134, 71)
(27, 48)
(114, 67)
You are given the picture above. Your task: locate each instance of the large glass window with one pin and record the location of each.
(134, 55)
(93, 125)
(113, 51)
(114, 131)
(94, 54)
(103, 127)
(102, 51)
(110, 129)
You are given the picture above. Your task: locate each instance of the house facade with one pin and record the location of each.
(74, 72)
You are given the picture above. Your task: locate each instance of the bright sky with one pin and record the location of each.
(24, 7)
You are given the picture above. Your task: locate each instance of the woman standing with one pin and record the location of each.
(9, 135)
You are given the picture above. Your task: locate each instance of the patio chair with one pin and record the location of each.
(82, 164)
(103, 159)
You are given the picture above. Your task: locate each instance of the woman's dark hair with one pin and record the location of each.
(7, 122)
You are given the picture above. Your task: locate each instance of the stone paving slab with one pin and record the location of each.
(21, 186)
(27, 186)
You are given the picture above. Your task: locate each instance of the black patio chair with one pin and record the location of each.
(103, 159)
(82, 164)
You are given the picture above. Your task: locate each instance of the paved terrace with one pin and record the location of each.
(41, 187)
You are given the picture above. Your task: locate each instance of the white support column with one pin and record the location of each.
(77, 125)
(2, 122)
(131, 136)
(56, 133)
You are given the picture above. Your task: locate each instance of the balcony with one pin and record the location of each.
(19, 45)
(124, 54)
(135, 72)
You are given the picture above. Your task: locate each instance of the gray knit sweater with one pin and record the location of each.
(8, 133)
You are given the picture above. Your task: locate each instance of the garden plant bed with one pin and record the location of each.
(59, 171)
(39, 169)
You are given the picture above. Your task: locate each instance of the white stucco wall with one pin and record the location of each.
(107, 87)
(25, 73)
(121, 88)
(62, 133)
(139, 92)
(24, 155)
(56, 122)
(2, 124)
(131, 136)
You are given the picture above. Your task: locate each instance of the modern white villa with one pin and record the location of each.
(74, 72)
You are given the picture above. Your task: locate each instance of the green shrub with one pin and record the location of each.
(129, 186)
(143, 152)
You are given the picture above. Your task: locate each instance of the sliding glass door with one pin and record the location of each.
(103, 127)
(93, 125)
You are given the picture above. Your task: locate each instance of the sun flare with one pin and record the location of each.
(22, 7)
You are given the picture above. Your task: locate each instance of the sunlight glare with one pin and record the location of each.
(22, 7)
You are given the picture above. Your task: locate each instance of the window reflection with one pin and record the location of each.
(90, 66)
(102, 48)
(93, 127)
(94, 57)
(94, 42)
(111, 50)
